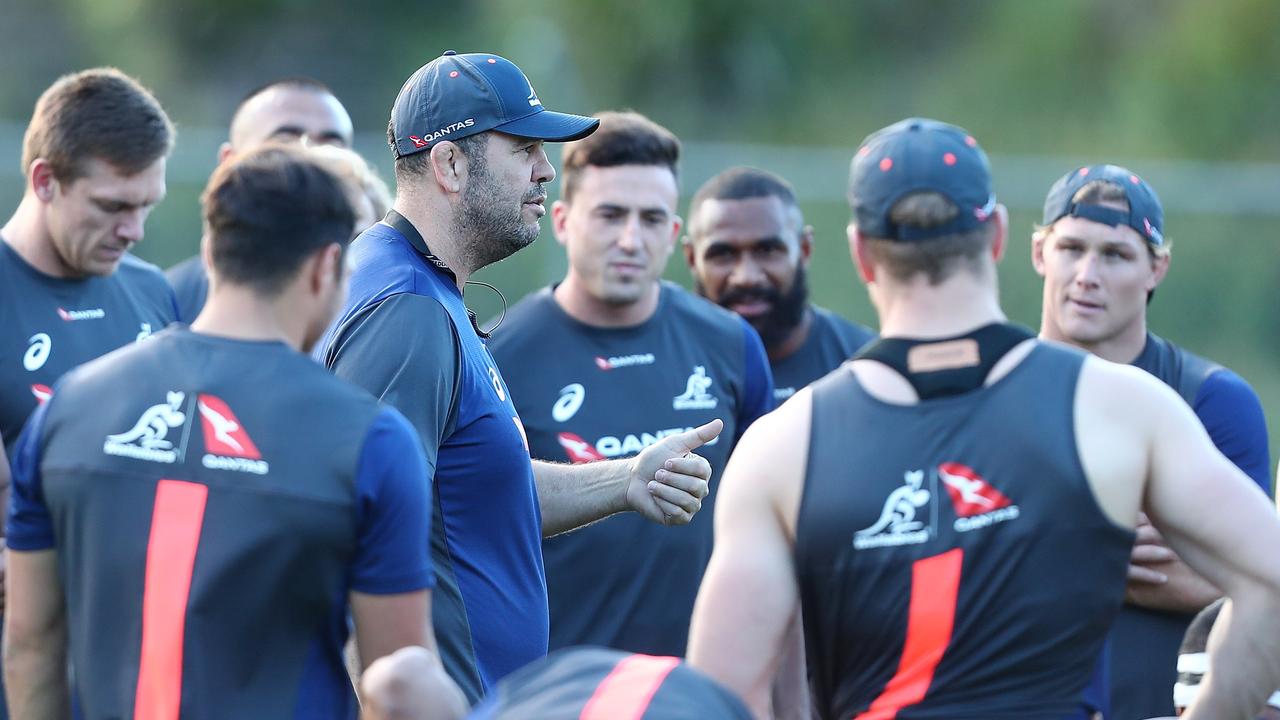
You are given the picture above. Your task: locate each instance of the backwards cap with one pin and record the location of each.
(1145, 214)
(919, 155)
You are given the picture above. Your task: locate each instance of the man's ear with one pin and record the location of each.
(861, 257)
(806, 245)
(324, 269)
(1038, 240)
(559, 219)
(43, 183)
(1000, 241)
(1160, 268)
(449, 166)
(225, 151)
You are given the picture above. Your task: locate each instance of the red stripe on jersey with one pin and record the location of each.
(625, 693)
(935, 585)
(171, 557)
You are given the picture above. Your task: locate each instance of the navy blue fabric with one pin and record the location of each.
(190, 283)
(1232, 415)
(406, 336)
(456, 95)
(28, 526)
(919, 155)
(757, 386)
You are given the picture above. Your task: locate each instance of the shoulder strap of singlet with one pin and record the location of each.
(993, 342)
(1193, 372)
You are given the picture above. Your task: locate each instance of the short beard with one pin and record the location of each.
(491, 229)
(786, 314)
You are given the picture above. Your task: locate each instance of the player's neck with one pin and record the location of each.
(918, 310)
(1122, 348)
(28, 234)
(240, 314)
(578, 302)
(794, 340)
(437, 232)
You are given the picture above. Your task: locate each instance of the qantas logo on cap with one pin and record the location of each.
(976, 502)
(227, 445)
(442, 133)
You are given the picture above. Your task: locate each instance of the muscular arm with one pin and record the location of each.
(742, 644)
(35, 638)
(665, 483)
(1231, 414)
(1221, 523)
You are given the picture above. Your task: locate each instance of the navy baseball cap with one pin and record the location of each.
(919, 155)
(1145, 215)
(456, 95)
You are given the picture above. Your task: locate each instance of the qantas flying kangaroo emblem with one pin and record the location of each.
(897, 524)
(976, 502)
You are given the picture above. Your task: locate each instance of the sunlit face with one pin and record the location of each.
(504, 197)
(1096, 279)
(95, 219)
(748, 255)
(288, 113)
(619, 229)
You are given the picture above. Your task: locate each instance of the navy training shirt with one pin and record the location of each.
(180, 474)
(190, 282)
(406, 336)
(50, 325)
(831, 341)
(588, 393)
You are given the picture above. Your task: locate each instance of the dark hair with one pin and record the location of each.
(100, 113)
(411, 167)
(623, 138)
(267, 211)
(937, 258)
(741, 183)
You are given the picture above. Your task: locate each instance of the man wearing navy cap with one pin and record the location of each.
(953, 510)
(1102, 252)
(468, 134)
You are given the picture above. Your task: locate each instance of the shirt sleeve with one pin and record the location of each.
(757, 396)
(394, 491)
(404, 351)
(29, 525)
(1232, 414)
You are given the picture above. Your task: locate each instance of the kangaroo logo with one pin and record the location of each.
(222, 427)
(897, 524)
(150, 430)
(147, 439)
(695, 396)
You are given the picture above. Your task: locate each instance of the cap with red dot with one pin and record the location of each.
(455, 95)
(913, 156)
(1145, 214)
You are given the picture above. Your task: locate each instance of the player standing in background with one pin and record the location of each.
(749, 249)
(954, 509)
(635, 359)
(293, 109)
(194, 516)
(1102, 252)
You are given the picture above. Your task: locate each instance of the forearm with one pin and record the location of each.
(1244, 659)
(35, 677)
(571, 496)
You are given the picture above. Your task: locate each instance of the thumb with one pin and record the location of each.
(695, 438)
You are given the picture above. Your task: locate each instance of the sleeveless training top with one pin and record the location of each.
(951, 558)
